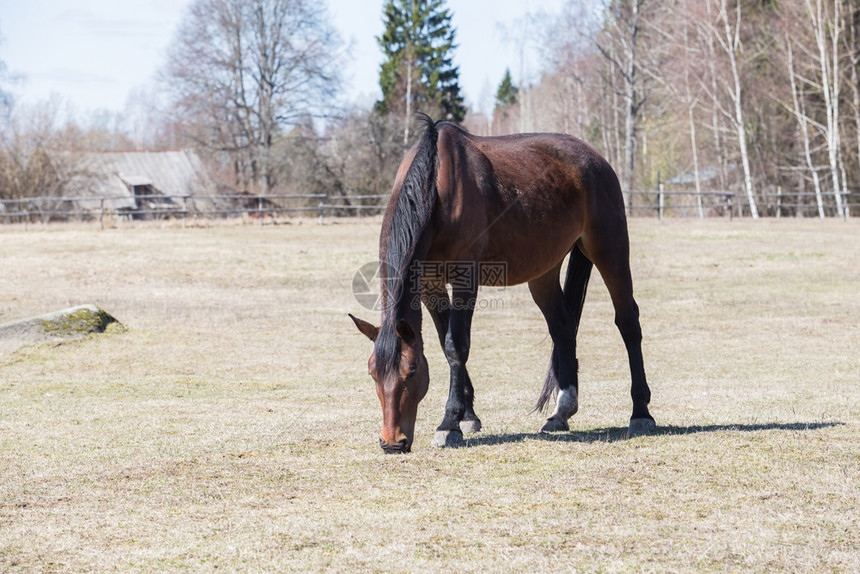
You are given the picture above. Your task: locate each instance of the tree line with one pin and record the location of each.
(757, 97)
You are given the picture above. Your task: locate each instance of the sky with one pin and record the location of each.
(95, 53)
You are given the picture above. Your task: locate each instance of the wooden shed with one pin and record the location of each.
(142, 183)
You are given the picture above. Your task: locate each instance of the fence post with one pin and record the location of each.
(660, 202)
(102, 214)
(778, 201)
(260, 209)
(321, 211)
(184, 210)
(731, 207)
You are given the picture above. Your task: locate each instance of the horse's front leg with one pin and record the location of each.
(459, 410)
(438, 304)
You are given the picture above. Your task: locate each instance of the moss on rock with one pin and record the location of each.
(77, 320)
(72, 323)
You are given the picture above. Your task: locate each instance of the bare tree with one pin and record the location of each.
(676, 76)
(568, 47)
(5, 80)
(853, 62)
(825, 20)
(361, 153)
(5, 96)
(664, 71)
(816, 71)
(242, 70)
(35, 152)
(725, 28)
(597, 79)
(619, 43)
(690, 97)
(803, 121)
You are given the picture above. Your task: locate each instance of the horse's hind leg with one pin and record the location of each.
(611, 255)
(562, 322)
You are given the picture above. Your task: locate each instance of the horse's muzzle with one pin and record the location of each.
(400, 447)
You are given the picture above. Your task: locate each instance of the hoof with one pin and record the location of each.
(467, 427)
(641, 426)
(447, 438)
(555, 425)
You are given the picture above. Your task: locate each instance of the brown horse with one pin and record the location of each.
(468, 210)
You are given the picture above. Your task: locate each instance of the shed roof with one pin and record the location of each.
(114, 174)
(706, 173)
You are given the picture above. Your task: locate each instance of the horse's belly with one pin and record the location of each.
(528, 249)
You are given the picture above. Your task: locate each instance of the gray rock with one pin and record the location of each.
(72, 323)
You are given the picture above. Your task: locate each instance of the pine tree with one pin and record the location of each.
(418, 73)
(507, 93)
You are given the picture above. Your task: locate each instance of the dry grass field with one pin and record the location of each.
(233, 426)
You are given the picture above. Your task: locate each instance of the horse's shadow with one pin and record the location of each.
(616, 434)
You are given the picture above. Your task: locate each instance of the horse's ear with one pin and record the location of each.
(405, 332)
(369, 330)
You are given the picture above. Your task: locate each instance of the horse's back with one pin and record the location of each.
(531, 195)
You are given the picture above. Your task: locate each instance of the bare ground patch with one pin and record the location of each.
(233, 425)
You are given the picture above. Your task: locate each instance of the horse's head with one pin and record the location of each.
(400, 387)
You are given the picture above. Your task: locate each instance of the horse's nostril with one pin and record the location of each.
(401, 446)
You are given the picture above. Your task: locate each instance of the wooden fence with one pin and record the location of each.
(641, 203)
(728, 204)
(181, 207)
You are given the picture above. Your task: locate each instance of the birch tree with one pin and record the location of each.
(803, 121)
(825, 20)
(725, 29)
(676, 78)
(620, 45)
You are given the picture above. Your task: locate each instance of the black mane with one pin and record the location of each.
(411, 215)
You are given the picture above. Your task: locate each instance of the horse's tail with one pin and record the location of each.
(575, 285)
